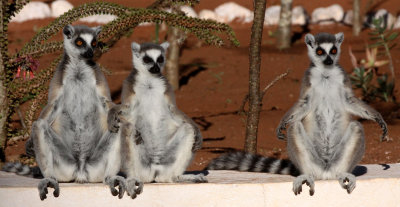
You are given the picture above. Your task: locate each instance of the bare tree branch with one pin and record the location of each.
(263, 92)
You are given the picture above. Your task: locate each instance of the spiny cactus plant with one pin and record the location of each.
(15, 91)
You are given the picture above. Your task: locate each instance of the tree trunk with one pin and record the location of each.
(172, 62)
(254, 77)
(3, 89)
(285, 23)
(356, 18)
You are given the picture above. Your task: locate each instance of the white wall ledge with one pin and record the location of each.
(379, 186)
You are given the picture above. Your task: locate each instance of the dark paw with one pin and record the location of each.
(115, 181)
(44, 184)
(303, 179)
(348, 182)
(114, 120)
(384, 128)
(138, 138)
(279, 133)
(134, 187)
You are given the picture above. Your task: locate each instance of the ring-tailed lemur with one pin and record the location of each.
(159, 139)
(71, 140)
(323, 141)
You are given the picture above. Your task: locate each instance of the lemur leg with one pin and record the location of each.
(108, 149)
(353, 145)
(136, 172)
(52, 156)
(301, 153)
(180, 146)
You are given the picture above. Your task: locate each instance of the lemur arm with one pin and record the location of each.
(198, 139)
(299, 110)
(296, 113)
(103, 89)
(117, 113)
(357, 107)
(49, 112)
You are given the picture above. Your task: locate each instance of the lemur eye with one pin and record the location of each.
(160, 59)
(147, 59)
(79, 42)
(334, 51)
(320, 52)
(94, 43)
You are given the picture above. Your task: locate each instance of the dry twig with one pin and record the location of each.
(263, 92)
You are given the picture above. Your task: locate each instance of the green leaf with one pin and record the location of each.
(377, 44)
(393, 36)
(375, 38)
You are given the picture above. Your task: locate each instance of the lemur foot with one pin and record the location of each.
(44, 184)
(115, 181)
(348, 182)
(300, 180)
(189, 178)
(134, 187)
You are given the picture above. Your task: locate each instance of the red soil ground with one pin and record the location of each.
(215, 80)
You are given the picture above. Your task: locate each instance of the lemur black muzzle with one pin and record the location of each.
(88, 54)
(328, 61)
(155, 69)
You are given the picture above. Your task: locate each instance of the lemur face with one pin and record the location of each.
(324, 48)
(80, 41)
(149, 57)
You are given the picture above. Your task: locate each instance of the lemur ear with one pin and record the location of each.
(165, 45)
(309, 40)
(339, 37)
(135, 47)
(68, 31)
(97, 30)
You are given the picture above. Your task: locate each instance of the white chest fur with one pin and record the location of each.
(327, 83)
(327, 99)
(150, 107)
(79, 89)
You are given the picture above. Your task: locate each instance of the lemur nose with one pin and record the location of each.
(328, 61)
(88, 53)
(155, 69)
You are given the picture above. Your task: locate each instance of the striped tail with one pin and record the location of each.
(21, 169)
(247, 162)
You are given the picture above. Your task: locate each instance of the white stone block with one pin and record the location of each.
(299, 15)
(348, 17)
(208, 14)
(60, 7)
(189, 11)
(33, 10)
(377, 185)
(230, 11)
(272, 15)
(332, 13)
(397, 23)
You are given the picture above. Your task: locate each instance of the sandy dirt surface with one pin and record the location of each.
(215, 80)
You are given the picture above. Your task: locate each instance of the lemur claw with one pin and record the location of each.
(44, 184)
(348, 182)
(303, 179)
(134, 187)
(114, 182)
